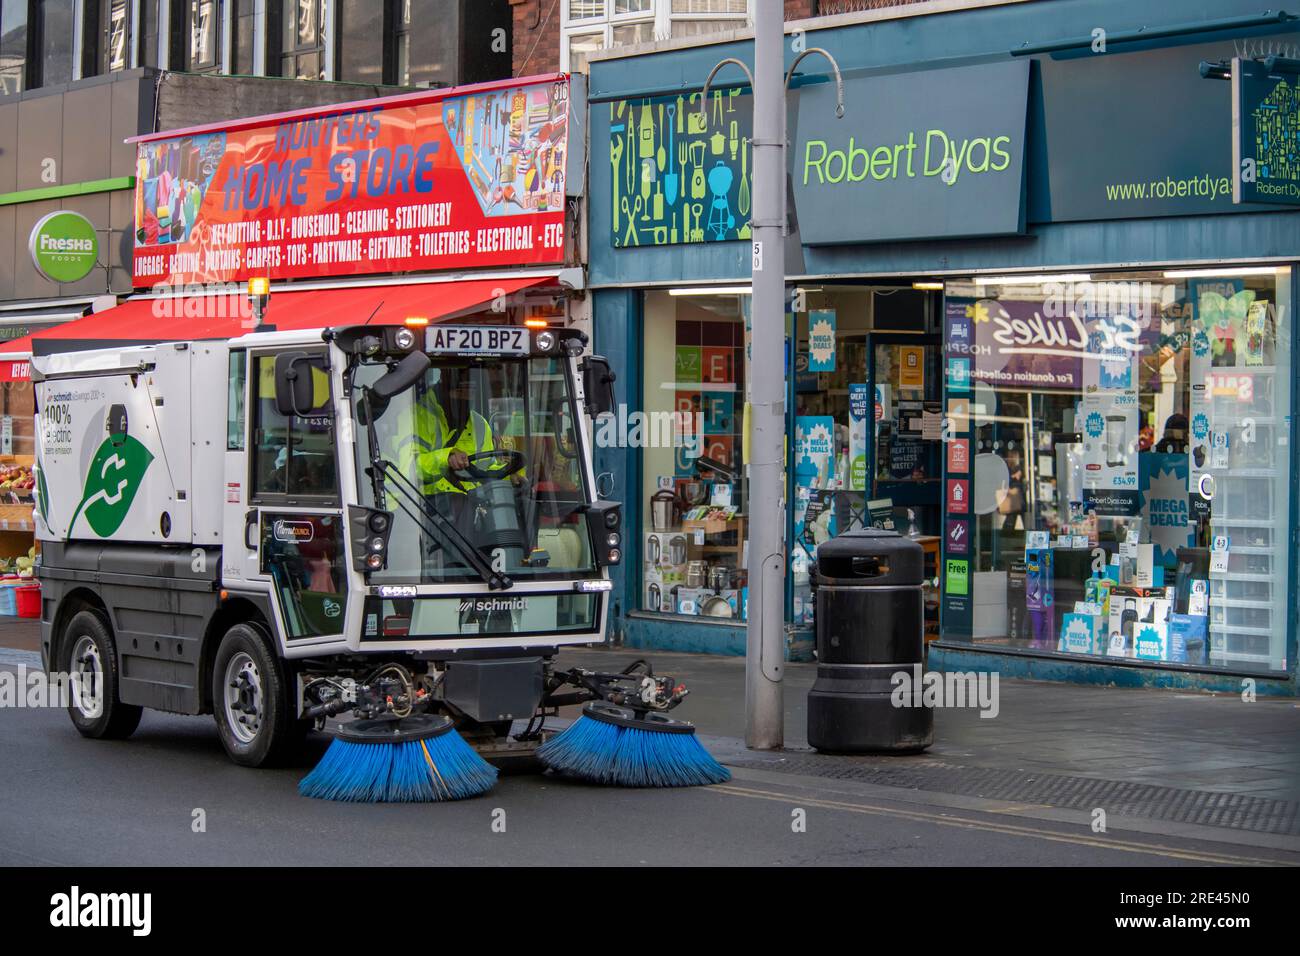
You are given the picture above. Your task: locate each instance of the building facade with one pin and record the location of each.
(1027, 323)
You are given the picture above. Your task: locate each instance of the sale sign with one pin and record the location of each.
(416, 182)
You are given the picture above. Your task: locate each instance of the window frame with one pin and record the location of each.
(253, 418)
(660, 14)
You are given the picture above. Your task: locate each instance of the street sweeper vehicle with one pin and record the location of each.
(384, 531)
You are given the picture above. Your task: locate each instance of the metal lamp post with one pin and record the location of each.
(765, 624)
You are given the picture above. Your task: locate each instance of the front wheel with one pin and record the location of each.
(91, 663)
(253, 702)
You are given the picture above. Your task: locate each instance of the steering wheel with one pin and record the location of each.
(514, 462)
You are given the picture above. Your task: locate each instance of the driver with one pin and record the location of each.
(445, 432)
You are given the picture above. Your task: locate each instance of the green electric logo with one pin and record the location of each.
(944, 156)
(64, 246)
(111, 483)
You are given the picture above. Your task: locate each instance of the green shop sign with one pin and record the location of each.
(1266, 135)
(64, 246)
(931, 154)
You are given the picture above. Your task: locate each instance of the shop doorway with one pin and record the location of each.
(866, 419)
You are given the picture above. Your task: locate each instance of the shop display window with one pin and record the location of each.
(693, 559)
(1125, 490)
(867, 410)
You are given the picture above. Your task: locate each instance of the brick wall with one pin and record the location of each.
(536, 38)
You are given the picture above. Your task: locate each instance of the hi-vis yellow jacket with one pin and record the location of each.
(422, 449)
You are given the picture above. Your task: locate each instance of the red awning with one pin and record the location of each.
(14, 364)
(143, 321)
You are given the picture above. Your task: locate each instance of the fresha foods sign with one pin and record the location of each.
(416, 182)
(932, 154)
(64, 246)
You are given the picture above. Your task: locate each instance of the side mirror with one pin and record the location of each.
(400, 377)
(598, 386)
(294, 388)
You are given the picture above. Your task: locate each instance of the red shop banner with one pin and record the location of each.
(419, 182)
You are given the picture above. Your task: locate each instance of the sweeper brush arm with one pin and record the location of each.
(634, 687)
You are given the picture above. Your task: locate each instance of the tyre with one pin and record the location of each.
(91, 660)
(252, 701)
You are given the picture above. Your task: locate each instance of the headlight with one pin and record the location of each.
(377, 545)
(545, 341)
(378, 522)
(375, 561)
(613, 539)
(611, 518)
(404, 338)
(615, 555)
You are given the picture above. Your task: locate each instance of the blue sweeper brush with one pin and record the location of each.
(419, 759)
(615, 745)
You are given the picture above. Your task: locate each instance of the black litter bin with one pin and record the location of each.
(870, 626)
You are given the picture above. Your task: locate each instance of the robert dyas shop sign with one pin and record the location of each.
(934, 154)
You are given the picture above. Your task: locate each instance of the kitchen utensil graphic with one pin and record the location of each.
(695, 119)
(615, 157)
(721, 221)
(717, 107)
(647, 177)
(659, 202)
(670, 179)
(716, 142)
(661, 235)
(697, 232)
(619, 107)
(743, 232)
(630, 238)
(630, 165)
(697, 175)
(660, 153)
(680, 115)
(735, 139)
(731, 98)
(647, 132)
(742, 199)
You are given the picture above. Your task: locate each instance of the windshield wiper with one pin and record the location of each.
(428, 518)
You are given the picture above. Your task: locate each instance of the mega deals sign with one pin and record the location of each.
(933, 154)
(404, 184)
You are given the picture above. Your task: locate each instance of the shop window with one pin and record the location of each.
(13, 45)
(1121, 491)
(244, 43)
(293, 456)
(695, 496)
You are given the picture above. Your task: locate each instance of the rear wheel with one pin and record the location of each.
(91, 663)
(253, 702)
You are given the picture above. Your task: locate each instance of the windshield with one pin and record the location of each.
(491, 446)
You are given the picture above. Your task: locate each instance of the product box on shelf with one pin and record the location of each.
(1187, 639)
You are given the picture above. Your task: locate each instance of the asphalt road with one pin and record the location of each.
(70, 801)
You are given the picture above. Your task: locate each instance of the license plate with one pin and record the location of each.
(476, 340)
